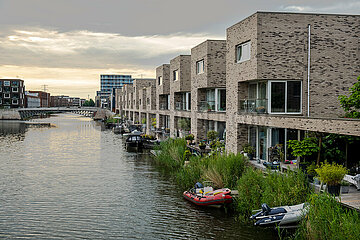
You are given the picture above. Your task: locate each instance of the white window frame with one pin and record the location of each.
(0, 100)
(17, 89)
(242, 45)
(269, 97)
(200, 65)
(6, 95)
(15, 103)
(217, 99)
(187, 101)
(176, 75)
(160, 80)
(6, 83)
(0, 89)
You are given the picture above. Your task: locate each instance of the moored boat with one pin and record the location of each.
(280, 215)
(207, 196)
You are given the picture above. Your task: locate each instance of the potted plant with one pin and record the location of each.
(260, 109)
(212, 135)
(202, 145)
(310, 170)
(189, 138)
(249, 150)
(331, 174)
(344, 187)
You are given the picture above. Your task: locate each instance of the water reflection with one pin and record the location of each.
(78, 182)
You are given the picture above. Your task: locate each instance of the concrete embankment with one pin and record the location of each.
(9, 114)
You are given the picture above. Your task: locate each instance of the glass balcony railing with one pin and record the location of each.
(253, 106)
(206, 106)
(180, 106)
(163, 106)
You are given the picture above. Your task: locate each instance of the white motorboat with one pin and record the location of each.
(279, 215)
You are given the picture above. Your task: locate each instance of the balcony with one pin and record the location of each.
(181, 106)
(206, 106)
(258, 106)
(163, 106)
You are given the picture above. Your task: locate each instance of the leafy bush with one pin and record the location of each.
(331, 174)
(303, 148)
(190, 137)
(212, 135)
(326, 219)
(171, 154)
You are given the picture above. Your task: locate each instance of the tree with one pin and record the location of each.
(303, 148)
(351, 104)
(89, 103)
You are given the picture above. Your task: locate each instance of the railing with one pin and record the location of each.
(206, 106)
(253, 106)
(180, 106)
(163, 106)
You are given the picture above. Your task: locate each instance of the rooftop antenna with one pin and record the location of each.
(44, 87)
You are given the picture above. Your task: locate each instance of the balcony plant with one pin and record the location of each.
(189, 138)
(202, 145)
(332, 174)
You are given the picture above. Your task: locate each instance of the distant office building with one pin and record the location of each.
(12, 93)
(32, 100)
(108, 82)
(44, 98)
(59, 101)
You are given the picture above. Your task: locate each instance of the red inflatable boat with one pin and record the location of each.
(202, 197)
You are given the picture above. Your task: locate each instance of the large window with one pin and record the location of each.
(200, 66)
(243, 52)
(176, 75)
(285, 96)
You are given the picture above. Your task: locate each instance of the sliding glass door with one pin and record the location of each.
(285, 97)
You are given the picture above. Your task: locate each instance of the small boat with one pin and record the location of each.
(279, 215)
(207, 196)
(134, 139)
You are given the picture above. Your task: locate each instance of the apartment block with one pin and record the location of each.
(275, 77)
(12, 93)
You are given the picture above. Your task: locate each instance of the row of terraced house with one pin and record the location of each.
(276, 76)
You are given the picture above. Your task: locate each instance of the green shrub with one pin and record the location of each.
(327, 219)
(331, 174)
(212, 135)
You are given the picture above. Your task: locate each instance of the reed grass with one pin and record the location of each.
(274, 188)
(327, 219)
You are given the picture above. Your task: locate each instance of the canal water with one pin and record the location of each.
(75, 180)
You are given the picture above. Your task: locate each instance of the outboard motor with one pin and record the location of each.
(265, 209)
(198, 185)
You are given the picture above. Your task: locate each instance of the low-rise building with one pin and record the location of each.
(275, 77)
(12, 93)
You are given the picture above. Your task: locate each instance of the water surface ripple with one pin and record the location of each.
(76, 181)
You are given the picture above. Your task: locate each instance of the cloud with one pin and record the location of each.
(347, 6)
(84, 49)
(63, 60)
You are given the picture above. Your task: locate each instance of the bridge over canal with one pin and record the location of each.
(24, 113)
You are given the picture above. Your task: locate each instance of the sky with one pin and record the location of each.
(67, 44)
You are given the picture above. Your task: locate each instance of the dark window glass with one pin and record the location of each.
(277, 97)
(293, 96)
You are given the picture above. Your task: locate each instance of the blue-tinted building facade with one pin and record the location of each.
(108, 82)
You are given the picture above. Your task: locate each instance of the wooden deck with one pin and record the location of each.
(351, 199)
